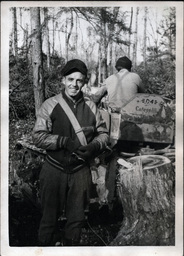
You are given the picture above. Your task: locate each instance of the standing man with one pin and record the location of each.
(65, 177)
(120, 87)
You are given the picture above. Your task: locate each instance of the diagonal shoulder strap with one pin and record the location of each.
(77, 128)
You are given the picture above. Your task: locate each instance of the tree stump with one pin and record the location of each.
(146, 191)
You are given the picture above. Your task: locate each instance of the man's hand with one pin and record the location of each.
(88, 151)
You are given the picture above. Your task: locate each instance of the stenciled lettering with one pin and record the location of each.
(146, 110)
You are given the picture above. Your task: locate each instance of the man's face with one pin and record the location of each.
(73, 83)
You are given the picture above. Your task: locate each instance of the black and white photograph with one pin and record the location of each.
(91, 128)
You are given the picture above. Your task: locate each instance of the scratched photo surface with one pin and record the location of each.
(136, 200)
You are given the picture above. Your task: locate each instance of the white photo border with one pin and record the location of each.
(6, 250)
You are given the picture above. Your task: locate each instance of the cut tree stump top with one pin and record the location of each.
(150, 161)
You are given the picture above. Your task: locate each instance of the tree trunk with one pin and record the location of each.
(145, 37)
(135, 39)
(131, 16)
(26, 42)
(68, 34)
(53, 36)
(38, 81)
(11, 42)
(76, 35)
(20, 12)
(47, 36)
(110, 39)
(105, 59)
(171, 34)
(105, 44)
(146, 191)
(15, 32)
(99, 63)
(112, 31)
(60, 43)
(110, 71)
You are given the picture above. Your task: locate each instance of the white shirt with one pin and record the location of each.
(120, 87)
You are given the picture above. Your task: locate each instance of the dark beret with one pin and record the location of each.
(73, 66)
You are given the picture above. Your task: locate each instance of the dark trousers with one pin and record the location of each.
(59, 190)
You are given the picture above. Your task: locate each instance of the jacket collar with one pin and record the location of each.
(70, 99)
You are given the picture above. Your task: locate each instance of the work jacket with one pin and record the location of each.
(53, 125)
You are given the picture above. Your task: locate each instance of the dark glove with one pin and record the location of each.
(67, 143)
(88, 151)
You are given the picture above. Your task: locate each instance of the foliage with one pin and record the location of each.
(18, 129)
(52, 76)
(21, 94)
(97, 15)
(167, 30)
(20, 88)
(159, 77)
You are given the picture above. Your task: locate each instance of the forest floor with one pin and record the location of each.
(101, 225)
